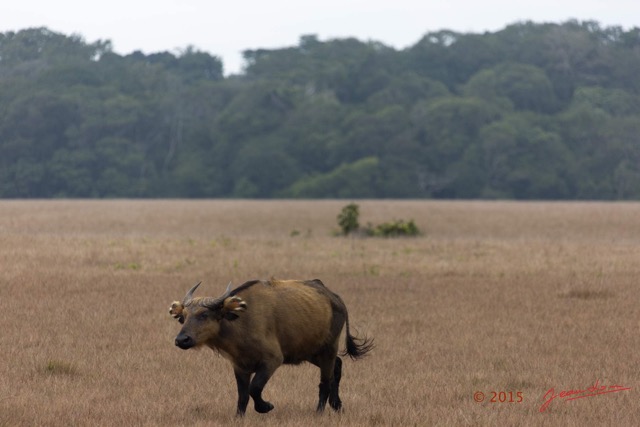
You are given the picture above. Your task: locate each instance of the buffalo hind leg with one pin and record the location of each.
(326, 381)
(258, 382)
(242, 380)
(334, 396)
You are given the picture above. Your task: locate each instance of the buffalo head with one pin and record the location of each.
(201, 317)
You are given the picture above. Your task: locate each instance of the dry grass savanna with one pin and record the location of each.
(493, 297)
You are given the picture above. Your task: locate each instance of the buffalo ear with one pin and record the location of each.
(176, 311)
(232, 307)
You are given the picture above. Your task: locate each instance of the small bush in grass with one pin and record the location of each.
(348, 218)
(348, 222)
(587, 294)
(59, 367)
(395, 228)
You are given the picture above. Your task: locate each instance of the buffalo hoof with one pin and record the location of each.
(263, 407)
(336, 405)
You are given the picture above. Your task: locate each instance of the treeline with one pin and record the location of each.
(534, 111)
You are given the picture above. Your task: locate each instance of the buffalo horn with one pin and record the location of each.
(214, 302)
(189, 295)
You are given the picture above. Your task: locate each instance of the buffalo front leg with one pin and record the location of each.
(263, 373)
(243, 381)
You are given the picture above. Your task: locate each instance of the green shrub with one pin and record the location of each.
(348, 221)
(394, 229)
(348, 218)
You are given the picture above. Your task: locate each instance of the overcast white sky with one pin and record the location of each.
(226, 28)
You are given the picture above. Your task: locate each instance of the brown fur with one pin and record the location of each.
(263, 324)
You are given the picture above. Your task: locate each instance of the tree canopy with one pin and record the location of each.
(533, 111)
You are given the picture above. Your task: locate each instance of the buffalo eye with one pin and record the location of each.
(202, 316)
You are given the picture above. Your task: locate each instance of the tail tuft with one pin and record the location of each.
(357, 348)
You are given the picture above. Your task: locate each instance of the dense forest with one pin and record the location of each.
(534, 111)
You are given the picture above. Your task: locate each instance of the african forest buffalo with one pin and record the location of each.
(260, 325)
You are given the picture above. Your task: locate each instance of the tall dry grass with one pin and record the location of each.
(513, 297)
